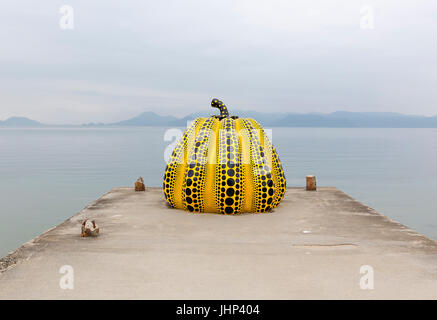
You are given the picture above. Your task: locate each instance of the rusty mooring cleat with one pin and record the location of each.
(89, 228)
(311, 183)
(139, 185)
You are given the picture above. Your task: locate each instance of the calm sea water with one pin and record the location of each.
(47, 175)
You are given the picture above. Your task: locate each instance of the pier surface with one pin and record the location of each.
(311, 247)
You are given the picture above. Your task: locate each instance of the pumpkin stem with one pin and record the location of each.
(216, 103)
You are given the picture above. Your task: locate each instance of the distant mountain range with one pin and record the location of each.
(20, 122)
(339, 119)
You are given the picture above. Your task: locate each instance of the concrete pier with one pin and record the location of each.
(311, 247)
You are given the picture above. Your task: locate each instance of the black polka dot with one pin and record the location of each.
(229, 210)
(230, 192)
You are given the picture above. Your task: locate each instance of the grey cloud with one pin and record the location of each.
(125, 57)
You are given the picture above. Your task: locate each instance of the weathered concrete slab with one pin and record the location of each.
(312, 246)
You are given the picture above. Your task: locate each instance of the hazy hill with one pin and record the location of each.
(147, 119)
(152, 119)
(20, 122)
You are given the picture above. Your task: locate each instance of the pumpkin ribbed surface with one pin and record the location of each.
(224, 166)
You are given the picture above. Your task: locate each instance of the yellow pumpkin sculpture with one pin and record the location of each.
(226, 165)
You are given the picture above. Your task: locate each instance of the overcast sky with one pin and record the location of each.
(172, 57)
